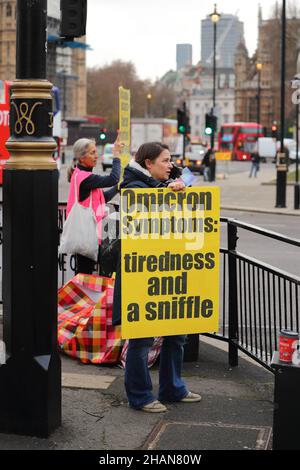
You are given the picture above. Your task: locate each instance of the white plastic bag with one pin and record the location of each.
(79, 234)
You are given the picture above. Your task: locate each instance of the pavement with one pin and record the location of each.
(239, 192)
(236, 410)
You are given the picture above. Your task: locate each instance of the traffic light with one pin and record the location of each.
(73, 18)
(210, 124)
(183, 122)
(274, 131)
(102, 134)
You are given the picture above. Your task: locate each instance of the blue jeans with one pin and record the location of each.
(138, 383)
(254, 169)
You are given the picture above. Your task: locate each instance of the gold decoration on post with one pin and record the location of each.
(22, 115)
(51, 116)
(37, 153)
(31, 155)
(31, 89)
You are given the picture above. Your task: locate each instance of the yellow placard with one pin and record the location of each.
(170, 261)
(225, 156)
(124, 125)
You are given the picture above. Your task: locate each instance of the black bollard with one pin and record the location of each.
(30, 381)
(286, 415)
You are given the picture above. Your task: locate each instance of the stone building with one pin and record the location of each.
(194, 86)
(66, 62)
(7, 40)
(250, 83)
(199, 100)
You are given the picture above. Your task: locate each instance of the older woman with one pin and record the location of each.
(88, 184)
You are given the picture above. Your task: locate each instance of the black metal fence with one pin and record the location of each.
(257, 299)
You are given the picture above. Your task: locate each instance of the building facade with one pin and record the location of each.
(199, 101)
(230, 32)
(66, 63)
(7, 40)
(184, 55)
(194, 86)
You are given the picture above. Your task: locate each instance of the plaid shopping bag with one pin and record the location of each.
(85, 328)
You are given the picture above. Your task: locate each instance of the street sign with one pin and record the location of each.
(124, 125)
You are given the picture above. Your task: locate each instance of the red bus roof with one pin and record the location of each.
(241, 124)
(97, 119)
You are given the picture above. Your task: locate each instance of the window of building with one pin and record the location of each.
(63, 60)
(222, 80)
(197, 120)
(231, 81)
(8, 10)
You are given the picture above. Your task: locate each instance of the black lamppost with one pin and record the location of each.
(149, 98)
(258, 68)
(64, 76)
(295, 84)
(297, 186)
(215, 17)
(281, 156)
(30, 380)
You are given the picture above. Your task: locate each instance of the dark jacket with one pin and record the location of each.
(207, 158)
(255, 157)
(96, 181)
(133, 178)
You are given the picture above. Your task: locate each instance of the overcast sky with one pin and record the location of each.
(146, 31)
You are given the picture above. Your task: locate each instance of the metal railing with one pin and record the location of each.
(257, 299)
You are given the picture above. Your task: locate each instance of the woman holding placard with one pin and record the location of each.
(87, 187)
(151, 168)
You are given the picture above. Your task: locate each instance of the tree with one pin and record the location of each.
(102, 94)
(163, 101)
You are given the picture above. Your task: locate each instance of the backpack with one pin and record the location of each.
(110, 247)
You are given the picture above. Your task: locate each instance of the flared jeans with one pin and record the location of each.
(138, 382)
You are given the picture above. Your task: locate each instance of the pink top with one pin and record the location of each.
(98, 201)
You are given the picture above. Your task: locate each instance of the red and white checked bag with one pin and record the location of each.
(85, 328)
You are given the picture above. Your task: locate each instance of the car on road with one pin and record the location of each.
(193, 157)
(107, 156)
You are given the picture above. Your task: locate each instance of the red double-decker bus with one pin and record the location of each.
(240, 139)
(4, 123)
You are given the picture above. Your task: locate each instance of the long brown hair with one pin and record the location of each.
(149, 150)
